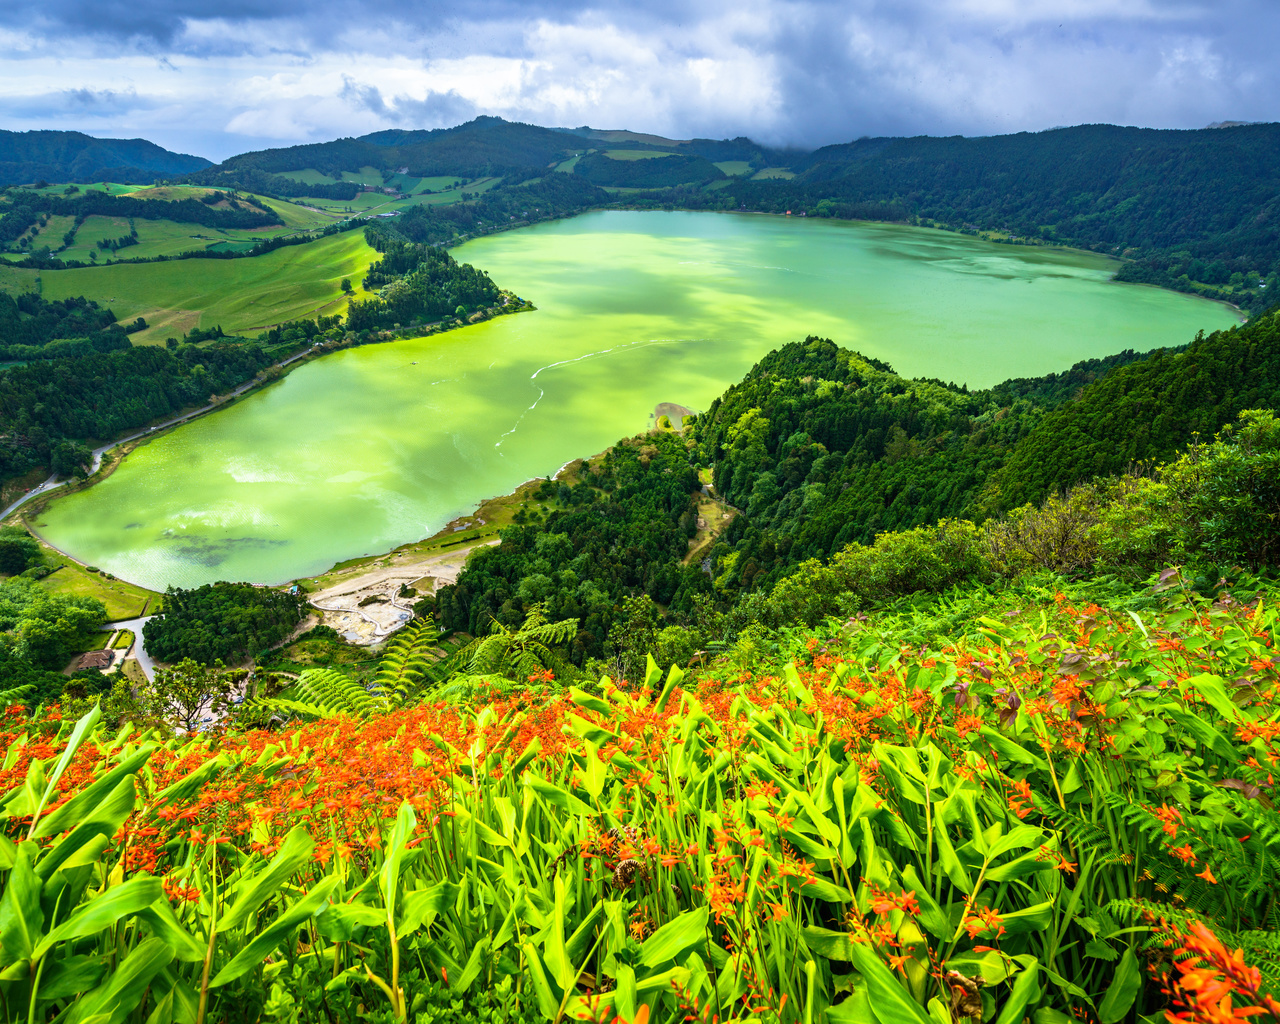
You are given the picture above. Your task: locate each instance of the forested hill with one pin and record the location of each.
(27, 157)
(819, 448)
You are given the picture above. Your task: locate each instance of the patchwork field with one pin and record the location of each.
(734, 168)
(634, 154)
(238, 295)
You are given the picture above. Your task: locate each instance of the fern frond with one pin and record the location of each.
(327, 693)
(15, 695)
(408, 660)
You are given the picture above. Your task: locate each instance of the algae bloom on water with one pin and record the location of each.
(373, 447)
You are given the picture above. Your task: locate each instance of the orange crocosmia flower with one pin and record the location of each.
(1207, 875)
(1183, 853)
(778, 911)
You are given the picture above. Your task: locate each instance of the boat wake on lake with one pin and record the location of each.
(578, 359)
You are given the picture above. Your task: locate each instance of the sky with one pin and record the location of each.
(219, 77)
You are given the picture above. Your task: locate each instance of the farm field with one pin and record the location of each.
(238, 295)
(634, 154)
(123, 600)
(734, 168)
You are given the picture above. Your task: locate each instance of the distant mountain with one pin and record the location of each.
(28, 157)
(1195, 210)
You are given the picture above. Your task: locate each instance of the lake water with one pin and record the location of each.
(373, 447)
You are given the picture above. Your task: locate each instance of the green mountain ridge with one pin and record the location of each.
(74, 157)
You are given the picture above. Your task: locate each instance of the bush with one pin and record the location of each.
(930, 558)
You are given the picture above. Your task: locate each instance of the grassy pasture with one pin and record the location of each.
(123, 600)
(567, 166)
(362, 203)
(173, 193)
(18, 280)
(51, 234)
(434, 184)
(734, 168)
(364, 176)
(239, 295)
(634, 154)
(772, 172)
(114, 188)
(307, 176)
(169, 238)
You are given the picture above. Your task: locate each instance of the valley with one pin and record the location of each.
(634, 309)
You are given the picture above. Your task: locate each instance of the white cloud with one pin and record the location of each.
(788, 71)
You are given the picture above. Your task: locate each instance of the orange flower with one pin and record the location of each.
(1207, 875)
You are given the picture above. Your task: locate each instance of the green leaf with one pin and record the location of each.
(397, 847)
(553, 946)
(417, 904)
(64, 816)
(159, 917)
(275, 933)
(1124, 990)
(113, 1002)
(103, 820)
(73, 744)
(1212, 690)
(889, 1000)
(1024, 990)
(1032, 919)
(21, 921)
(104, 911)
(548, 998)
(935, 921)
(675, 938)
(71, 976)
(475, 964)
(828, 943)
(1009, 750)
(256, 889)
(1021, 838)
(339, 922)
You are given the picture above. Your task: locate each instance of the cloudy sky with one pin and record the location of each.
(217, 77)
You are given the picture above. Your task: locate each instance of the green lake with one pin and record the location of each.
(373, 447)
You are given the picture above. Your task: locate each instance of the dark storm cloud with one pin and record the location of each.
(803, 72)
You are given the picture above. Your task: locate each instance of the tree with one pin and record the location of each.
(189, 694)
(346, 285)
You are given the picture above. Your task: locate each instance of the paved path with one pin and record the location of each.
(139, 649)
(96, 464)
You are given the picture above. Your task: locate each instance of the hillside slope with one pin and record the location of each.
(26, 157)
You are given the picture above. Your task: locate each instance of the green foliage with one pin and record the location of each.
(1225, 495)
(408, 661)
(662, 172)
(422, 283)
(73, 156)
(189, 695)
(537, 646)
(621, 531)
(104, 395)
(222, 621)
(29, 325)
(929, 558)
(19, 550)
(45, 629)
(1147, 411)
